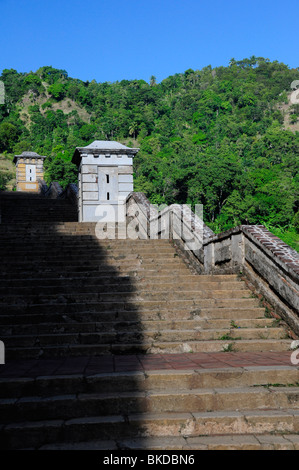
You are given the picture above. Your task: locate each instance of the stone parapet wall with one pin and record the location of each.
(270, 266)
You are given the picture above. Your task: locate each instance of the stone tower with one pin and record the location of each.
(30, 169)
(105, 179)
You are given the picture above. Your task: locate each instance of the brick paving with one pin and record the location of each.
(129, 363)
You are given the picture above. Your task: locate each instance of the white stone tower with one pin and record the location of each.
(105, 180)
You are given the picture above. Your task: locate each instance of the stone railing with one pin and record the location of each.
(177, 222)
(42, 187)
(71, 193)
(270, 267)
(53, 191)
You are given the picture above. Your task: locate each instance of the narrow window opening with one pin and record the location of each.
(107, 179)
(108, 196)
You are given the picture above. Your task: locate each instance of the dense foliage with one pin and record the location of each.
(210, 136)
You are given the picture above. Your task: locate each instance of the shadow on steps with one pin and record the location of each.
(67, 318)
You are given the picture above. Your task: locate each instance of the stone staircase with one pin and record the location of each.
(19, 207)
(100, 335)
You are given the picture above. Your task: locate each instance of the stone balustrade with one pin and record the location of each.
(270, 266)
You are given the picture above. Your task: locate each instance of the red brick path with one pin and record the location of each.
(110, 364)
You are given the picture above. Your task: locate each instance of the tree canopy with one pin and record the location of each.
(214, 136)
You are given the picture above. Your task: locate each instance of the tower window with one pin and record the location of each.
(108, 196)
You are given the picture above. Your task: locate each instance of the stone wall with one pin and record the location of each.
(270, 266)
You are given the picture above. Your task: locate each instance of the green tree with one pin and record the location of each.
(57, 90)
(8, 136)
(61, 170)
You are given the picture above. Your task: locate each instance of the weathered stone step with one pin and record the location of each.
(194, 307)
(93, 276)
(159, 263)
(76, 350)
(253, 345)
(97, 255)
(55, 216)
(179, 380)
(203, 314)
(123, 336)
(262, 326)
(125, 296)
(41, 209)
(69, 270)
(117, 280)
(59, 285)
(39, 213)
(38, 433)
(84, 241)
(33, 206)
(80, 405)
(227, 442)
(51, 237)
(77, 252)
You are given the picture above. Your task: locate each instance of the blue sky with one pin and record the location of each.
(110, 40)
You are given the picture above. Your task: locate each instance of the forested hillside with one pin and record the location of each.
(225, 137)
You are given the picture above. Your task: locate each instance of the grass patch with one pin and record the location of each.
(228, 337)
(287, 234)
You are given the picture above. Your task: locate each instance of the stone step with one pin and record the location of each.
(58, 214)
(248, 345)
(251, 422)
(227, 442)
(77, 252)
(115, 282)
(263, 326)
(193, 307)
(203, 314)
(67, 286)
(163, 380)
(41, 213)
(140, 277)
(145, 295)
(98, 254)
(69, 270)
(80, 405)
(51, 237)
(156, 347)
(123, 336)
(33, 262)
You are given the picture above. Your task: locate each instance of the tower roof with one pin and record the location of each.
(27, 154)
(101, 147)
(106, 145)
